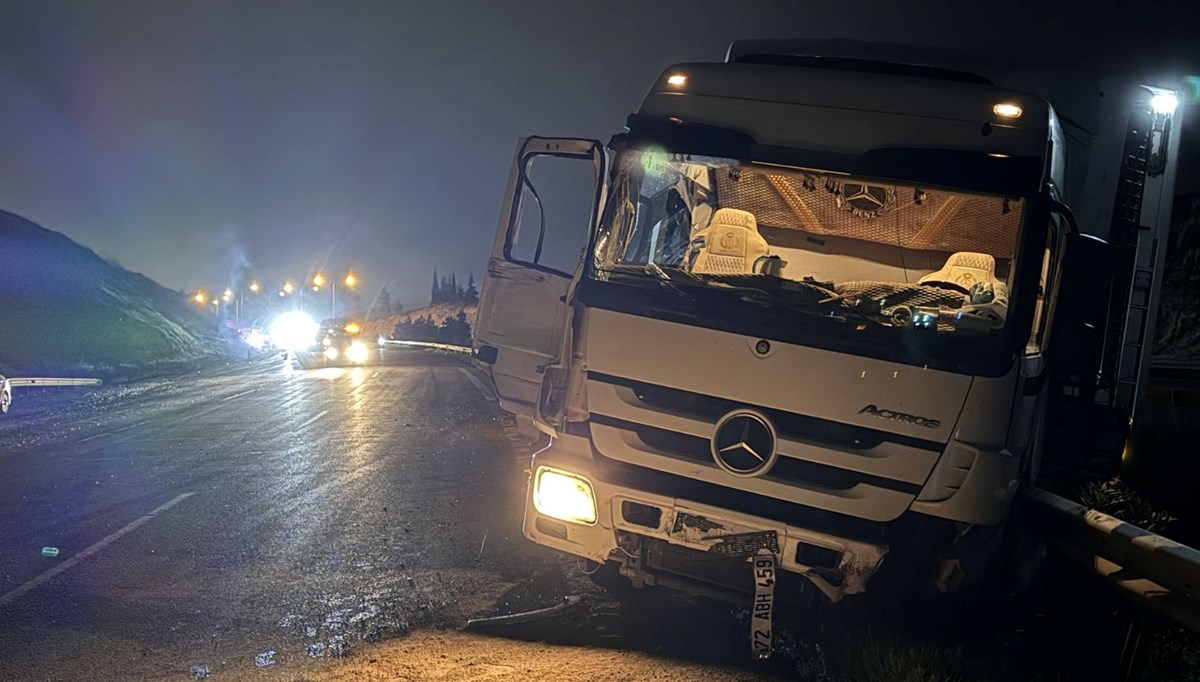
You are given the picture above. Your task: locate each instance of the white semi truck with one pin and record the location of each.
(830, 304)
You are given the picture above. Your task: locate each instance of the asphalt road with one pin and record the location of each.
(259, 522)
(209, 519)
(256, 521)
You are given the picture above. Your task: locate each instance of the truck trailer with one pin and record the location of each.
(822, 309)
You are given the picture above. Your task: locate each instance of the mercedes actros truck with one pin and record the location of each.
(823, 308)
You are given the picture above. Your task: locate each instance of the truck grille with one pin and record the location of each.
(842, 468)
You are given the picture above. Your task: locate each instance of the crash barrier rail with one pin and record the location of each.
(51, 381)
(449, 348)
(1158, 572)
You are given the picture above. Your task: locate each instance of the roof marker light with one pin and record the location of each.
(677, 80)
(1007, 110)
(1164, 103)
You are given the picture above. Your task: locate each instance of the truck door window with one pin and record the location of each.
(552, 221)
(1043, 312)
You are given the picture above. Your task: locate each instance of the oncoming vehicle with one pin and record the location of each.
(342, 344)
(835, 306)
(258, 340)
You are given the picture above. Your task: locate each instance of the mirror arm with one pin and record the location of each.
(1056, 206)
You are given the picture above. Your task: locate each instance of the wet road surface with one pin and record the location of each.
(260, 521)
(212, 518)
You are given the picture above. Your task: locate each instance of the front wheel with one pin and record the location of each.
(5, 400)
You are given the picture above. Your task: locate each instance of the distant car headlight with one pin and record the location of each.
(257, 339)
(564, 496)
(357, 352)
(294, 331)
(331, 353)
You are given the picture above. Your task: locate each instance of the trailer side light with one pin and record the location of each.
(1007, 110)
(677, 80)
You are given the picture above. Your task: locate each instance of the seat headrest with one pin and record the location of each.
(965, 268)
(733, 217)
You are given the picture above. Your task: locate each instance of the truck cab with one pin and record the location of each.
(805, 304)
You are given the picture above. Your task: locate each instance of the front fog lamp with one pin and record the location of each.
(564, 496)
(357, 352)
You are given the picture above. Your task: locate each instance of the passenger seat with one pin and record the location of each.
(730, 244)
(965, 268)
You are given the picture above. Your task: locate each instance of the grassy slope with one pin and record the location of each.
(438, 313)
(65, 309)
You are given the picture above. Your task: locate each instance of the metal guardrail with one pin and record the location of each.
(449, 348)
(39, 382)
(1161, 573)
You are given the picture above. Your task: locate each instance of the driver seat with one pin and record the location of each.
(965, 268)
(730, 244)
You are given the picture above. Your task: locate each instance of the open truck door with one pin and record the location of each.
(554, 194)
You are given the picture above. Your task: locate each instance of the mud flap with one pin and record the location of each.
(764, 603)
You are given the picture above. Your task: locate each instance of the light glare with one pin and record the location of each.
(1164, 103)
(294, 331)
(357, 352)
(677, 80)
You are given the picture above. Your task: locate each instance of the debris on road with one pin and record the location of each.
(50, 551)
(570, 604)
(198, 672)
(265, 659)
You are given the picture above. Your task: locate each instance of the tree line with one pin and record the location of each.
(448, 290)
(455, 330)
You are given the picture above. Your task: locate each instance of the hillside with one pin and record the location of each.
(438, 313)
(63, 309)
(1177, 334)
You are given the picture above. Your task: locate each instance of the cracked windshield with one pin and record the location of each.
(534, 340)
(900, 255)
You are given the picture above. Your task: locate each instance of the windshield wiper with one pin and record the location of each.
(660, 276)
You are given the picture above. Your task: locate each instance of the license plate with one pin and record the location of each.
(764, 603)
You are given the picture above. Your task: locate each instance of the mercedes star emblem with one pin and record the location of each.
(744, 443)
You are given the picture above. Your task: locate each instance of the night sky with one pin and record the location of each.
(181, 139)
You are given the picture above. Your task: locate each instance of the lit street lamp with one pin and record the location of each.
(200, 298)
(319, 280)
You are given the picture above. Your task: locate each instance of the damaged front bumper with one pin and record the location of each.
(648, 534)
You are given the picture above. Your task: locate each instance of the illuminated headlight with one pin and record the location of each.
(564, 496)
(256, 339)
(293, 331)
(331, 353)
(357, 352)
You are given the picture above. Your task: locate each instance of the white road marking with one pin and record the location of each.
(50, 573)
(98, 435)
(238, 395)
(487, 392)
(321, 414)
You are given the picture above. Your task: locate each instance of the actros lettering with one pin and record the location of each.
(892, 415)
